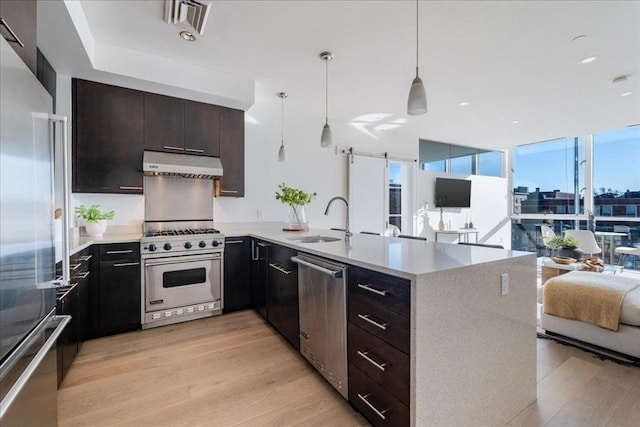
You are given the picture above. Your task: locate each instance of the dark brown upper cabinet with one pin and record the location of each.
(179, 126)
(19, 23)
(107, 138)
(201, 129)
(163, 123)
(232, 152)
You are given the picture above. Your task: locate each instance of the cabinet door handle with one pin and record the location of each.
(229, 191)
(82, 275)
(263, 245)
(170, 147)
(85, 257)
(194, 150)
(11, 33)
(373, 408)
(124, 187)
(254, 250)
(367, 318)
(126, 264)
(371, 289)
(128, 251)
(370, 360)
(280, 269)
(74, 267)
(232, 242)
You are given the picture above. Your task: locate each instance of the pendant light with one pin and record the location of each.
(417, 102)
(282, 153)
(326, 139)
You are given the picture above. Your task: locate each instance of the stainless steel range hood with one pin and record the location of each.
(181, 165)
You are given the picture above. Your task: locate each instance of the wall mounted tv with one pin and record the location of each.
(453, 193)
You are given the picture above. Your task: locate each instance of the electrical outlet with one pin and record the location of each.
(504, 284)
(259, 213)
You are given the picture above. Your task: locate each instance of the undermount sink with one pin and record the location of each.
(315, 239)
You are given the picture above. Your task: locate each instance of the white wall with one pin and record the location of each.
(488, 212)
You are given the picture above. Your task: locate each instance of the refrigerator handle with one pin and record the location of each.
(33, 365)
(61, 122)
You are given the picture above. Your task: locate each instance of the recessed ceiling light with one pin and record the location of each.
(626, 93)
(589, 59)
(515, 122)
(578, 38)
(464, 104)
(187, 36)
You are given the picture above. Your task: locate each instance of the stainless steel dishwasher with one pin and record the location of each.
(323, 317)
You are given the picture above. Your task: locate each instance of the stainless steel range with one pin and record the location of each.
(182, 274)
(182, 253)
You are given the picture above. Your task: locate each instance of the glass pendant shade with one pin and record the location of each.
(417, 102)
(326, 139)
(282, 153)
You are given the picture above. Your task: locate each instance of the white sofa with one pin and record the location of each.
(625, 341)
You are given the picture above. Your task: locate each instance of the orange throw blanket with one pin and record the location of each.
(589, 297)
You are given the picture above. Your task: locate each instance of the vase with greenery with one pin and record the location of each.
(564, 247)
(296, 199)
(94, 219)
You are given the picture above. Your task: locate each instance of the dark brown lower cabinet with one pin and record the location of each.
(67, 343)
(117, 300)
(282, 293)
(237, 274)
(379, 406)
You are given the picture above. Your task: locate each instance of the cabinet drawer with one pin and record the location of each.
(385, 364)
(385, 324)
(390, 292)
(374, 402)
(119, 251)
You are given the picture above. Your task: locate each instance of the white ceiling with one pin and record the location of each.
(512, 61)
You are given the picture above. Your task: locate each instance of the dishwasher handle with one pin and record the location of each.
(333, 273)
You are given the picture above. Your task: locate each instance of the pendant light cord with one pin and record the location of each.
(282, 120)
(417, 38)
(326, 91)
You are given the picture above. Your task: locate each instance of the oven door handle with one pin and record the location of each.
(181, 259)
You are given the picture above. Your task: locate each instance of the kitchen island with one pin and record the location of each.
(472, 350)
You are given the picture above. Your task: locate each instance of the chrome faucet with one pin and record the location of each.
(347, 233)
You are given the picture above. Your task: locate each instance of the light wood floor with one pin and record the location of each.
(235, 370)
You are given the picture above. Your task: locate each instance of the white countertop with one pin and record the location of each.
(78, 243)
(400, 257)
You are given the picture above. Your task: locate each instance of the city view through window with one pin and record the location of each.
(555, 179)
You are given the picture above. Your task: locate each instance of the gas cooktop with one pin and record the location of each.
(181, 232)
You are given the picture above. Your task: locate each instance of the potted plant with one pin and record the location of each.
(94, 219)
(296, 199)
(564, 247)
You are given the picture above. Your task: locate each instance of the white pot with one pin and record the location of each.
(96, 229)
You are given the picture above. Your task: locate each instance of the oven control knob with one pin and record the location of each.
(202, 244)
(215, 243)
(187, 245)
(167, 246)
(152, 247)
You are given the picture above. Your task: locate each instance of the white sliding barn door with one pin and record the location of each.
(368, 195)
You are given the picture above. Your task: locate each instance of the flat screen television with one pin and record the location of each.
(453, 193)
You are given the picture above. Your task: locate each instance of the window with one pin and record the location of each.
(458, 159)
(616, 174)
(399, 184)
(550, 174)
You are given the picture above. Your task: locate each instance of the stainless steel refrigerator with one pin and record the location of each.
(29, 326)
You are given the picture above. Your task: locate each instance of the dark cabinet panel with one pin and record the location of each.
(163, 123)
(259, 266)
(118, 296)
(237, 274)
(67, 343)
(232, 152)
(282, 293)
(47, 76)
(201, 128)
(107, 138)
(392, 293)
(20, 17)
(379, 406)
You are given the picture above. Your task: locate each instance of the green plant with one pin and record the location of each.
(294, 197)
(561, 242)
(93, 214)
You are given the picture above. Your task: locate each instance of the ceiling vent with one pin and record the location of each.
(190, 14)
